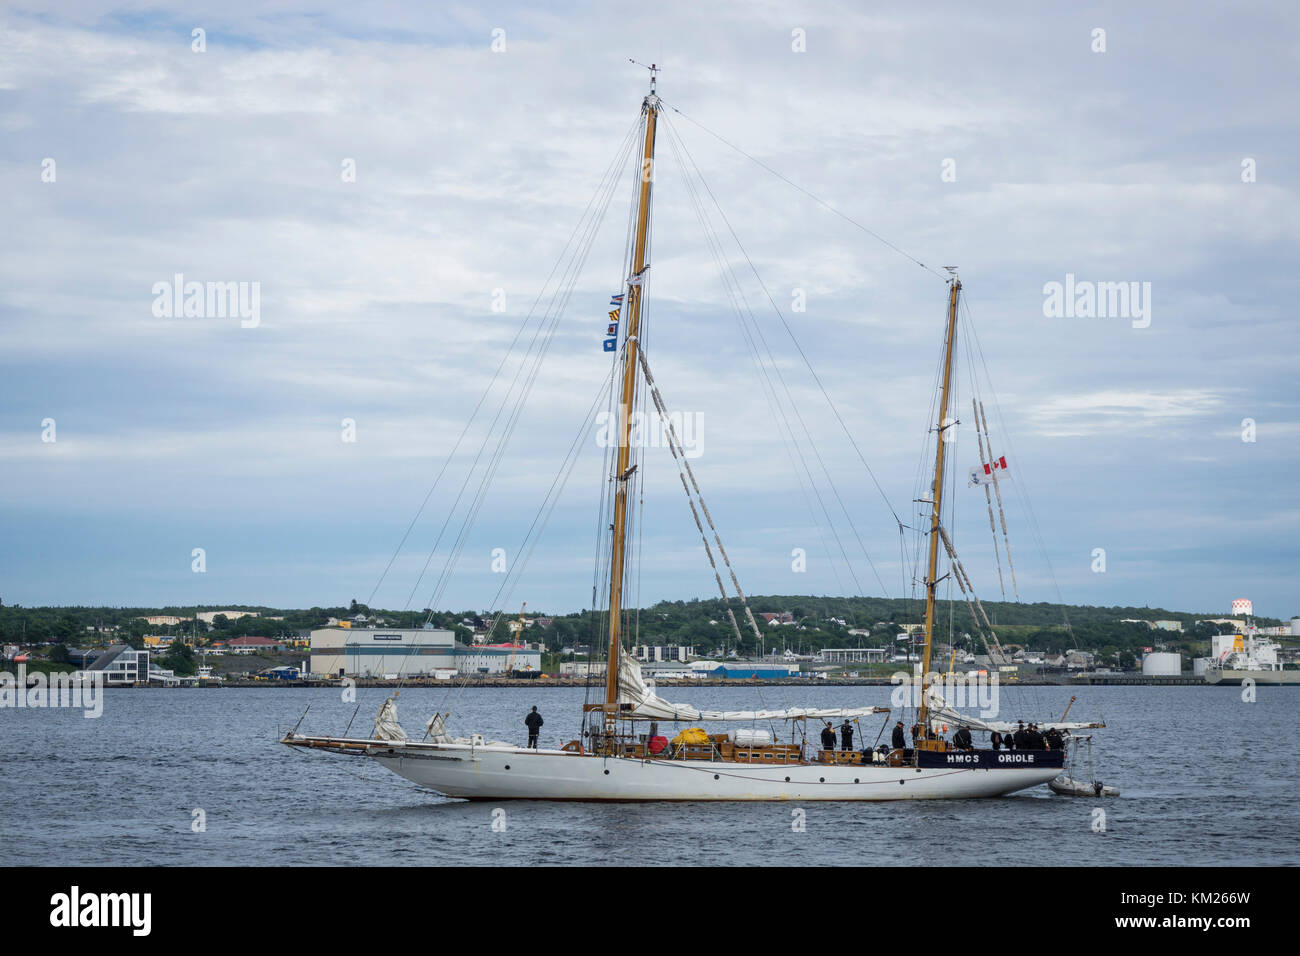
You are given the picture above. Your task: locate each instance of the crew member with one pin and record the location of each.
(899, 740)
(961, 739)
(1021, 737)
(534, 724)
(828, 738)
(1035, 738)
(846, 735)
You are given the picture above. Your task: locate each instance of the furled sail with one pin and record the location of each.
(386, 725)
(638, 700)
(941, 713)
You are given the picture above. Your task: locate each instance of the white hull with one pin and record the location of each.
(510, 773)
(1216, 676)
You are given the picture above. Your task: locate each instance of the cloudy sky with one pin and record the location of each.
(1022, 146)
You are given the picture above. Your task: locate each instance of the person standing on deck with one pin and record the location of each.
(828, 738)
(899, 739)
(534, 723)
(846, 735)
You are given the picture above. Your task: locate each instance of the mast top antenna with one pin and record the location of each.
(653, 68)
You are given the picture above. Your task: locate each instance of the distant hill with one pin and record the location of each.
(815, 623)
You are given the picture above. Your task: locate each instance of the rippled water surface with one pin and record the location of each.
(1206, 779)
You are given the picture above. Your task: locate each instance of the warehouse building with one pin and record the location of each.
(381, 652)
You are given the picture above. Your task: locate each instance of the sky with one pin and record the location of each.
(1152, 455)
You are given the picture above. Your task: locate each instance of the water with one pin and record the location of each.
(1207, 780)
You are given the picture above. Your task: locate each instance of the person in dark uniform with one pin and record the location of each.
(995, 741)
(899, 739)
(846, 735)
(1035, 738)
(961, 739)
(828, 738)
(1021, 737)
(534, 724)
(916, 732)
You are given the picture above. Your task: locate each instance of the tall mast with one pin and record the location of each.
(931, 578)
(622, 473)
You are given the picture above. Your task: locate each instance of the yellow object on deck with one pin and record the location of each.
(691, 736)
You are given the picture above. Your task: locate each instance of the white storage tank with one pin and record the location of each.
(1200, 666)
(1160, 664)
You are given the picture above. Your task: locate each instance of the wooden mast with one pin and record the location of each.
(931, 579)
(622, 473)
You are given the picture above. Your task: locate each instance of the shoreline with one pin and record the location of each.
(495, 683)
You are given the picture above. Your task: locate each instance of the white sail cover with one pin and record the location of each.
(941, 713)
(386, 725)
(436, 728)
(647, 705)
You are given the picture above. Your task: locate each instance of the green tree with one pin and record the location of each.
(179, 658)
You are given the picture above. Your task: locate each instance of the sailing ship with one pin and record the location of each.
(620, 755)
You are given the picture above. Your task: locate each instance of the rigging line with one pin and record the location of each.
(1002, 515)
(549, 502)
(817, 199)
(1021, 489)
(496, 375)
(988, 496)
(587, 227)
(985, 441)
(511, 427)
(790, 332)
(731, 288)
(785, 386)
(559, 304)
(684, 471)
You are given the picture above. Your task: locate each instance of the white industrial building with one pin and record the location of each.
(663, 652)
(381, 652)
(851, 655)
(582, 669)
(1161, 664)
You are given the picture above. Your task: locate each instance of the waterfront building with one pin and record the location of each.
(123, 665)
(655, 653)
(381, 652)
(742, 670)
(251, 645)
(582, 669)
(851, 655)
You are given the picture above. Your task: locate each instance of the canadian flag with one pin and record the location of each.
(983, 474)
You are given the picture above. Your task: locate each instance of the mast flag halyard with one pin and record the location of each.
(635, 290)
